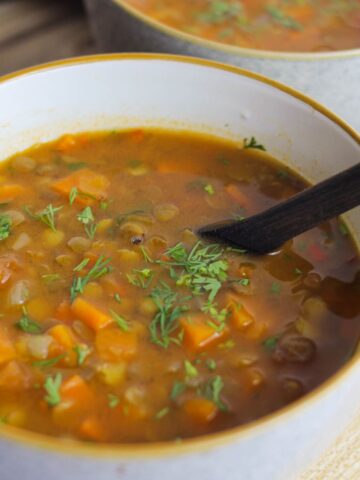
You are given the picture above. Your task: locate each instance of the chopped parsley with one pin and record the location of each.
(100, 269)
(212, 391)
(190, 370)
(27, 325)
(120, 321)
(86, 217)
(211, 364)
(164, 323)
(282, 19)
(113, 400)
(253, 143)
(52, 387)
(5, 226)
(82, 351)
(51, 362)
(177, 389)
(46, 216)
(141, 278)
(203, 271)
(162, 413)
(271, 342)
(209, 189)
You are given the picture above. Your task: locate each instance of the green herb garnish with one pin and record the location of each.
(162, 413)
(275, 288)
(253, 143)
(27, 325)
(120, 321)
(5, 226)
(52, 387)
(113, 400)
(211, 364)
(209, 189)
(82, 351)
(46, 216)
(141, 278)
(177, 389)
(48, 363)
(165, 320)
(271, 342)
(100, 269)
(190, 370)
(212, 391)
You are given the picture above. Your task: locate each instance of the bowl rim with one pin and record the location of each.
(224, 48)
(157, 450)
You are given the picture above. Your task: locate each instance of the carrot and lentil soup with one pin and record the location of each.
(280, 25)
(119, 325)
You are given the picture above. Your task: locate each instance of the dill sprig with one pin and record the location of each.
(100, 269)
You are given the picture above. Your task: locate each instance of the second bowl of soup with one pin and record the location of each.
(314, 46)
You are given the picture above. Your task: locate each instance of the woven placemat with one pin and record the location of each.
(342, 460)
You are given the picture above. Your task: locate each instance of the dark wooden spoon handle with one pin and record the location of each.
(268, 230)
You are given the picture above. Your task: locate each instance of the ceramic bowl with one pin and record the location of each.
(331, 77)
(115, 91)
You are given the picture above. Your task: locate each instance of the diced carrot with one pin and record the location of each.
(137, 136)
(66, 143)
(13, 377)
(7, 349)
(240, 317)
(64, 312)
(198, 334)
(168, 167)
(113, 344)
(257, 331)
(237, 195)
(200, 410)
(91, 315)
(86, 182)
(10, 192)
(92, 429)
(76, 391)
(63, 335)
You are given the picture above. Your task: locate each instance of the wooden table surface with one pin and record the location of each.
(37, 31)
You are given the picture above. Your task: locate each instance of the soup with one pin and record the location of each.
(119, 325)
(280, 25)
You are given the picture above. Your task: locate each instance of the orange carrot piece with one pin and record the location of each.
(240, 317)
(137, 136)
(63, 312)
(63, 335)
(7, 349)
(87, 182)
(10, 192)
(198, 334)
(13, 377)
(257, 331)
(237, 195)
(92, 429)
(200, 410)
(113, 344)
(91, 315)
(76, 391)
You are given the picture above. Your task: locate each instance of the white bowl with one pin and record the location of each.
(114, 91)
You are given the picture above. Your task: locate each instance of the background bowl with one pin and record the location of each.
(331, 77)
(114, 91)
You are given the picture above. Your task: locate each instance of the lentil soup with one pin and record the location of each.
(277, 25)
(118, 325)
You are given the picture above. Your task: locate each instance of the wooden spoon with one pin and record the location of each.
(269, 230)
